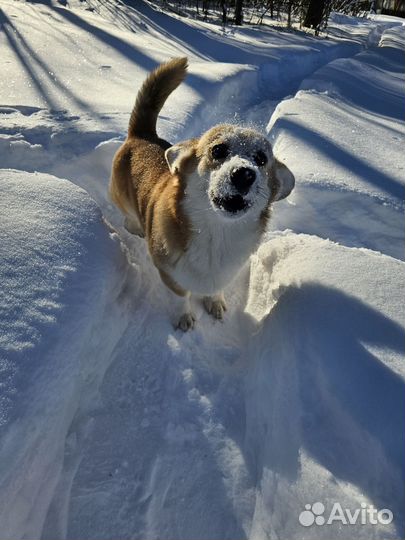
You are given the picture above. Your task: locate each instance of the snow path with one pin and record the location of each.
(227, 424)
(218, 433)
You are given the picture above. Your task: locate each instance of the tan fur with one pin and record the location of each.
(141, 184)
(169, 282)
(152, 96)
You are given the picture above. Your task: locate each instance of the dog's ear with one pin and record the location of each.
(181, 157)
(283, 180)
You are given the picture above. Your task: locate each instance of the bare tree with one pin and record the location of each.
(224, 11)
(310, 13)
(314, 15)
(238, 12)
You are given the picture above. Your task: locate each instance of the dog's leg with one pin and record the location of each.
(133, 226)
(184, 317)
(215, 305)
(187, 317)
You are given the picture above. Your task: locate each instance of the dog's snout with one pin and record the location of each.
(242, 179)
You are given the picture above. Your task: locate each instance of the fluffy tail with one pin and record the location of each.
(158, 86)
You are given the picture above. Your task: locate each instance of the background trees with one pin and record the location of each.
(308, 13)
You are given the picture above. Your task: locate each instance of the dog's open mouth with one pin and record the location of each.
(232, 204)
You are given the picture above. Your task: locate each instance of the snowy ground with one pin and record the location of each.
(113, 425)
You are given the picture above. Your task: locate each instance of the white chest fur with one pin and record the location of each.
(215, 255)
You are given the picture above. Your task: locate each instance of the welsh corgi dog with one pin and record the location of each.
(202, 205)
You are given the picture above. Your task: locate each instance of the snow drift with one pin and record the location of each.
(60, 273)
(113, 425)
(348, 189)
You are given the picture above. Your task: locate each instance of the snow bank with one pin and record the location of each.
(335, 135)
(394, 37)
(60, 276)
(325, 388)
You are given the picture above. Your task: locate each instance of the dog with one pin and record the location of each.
(202, 204)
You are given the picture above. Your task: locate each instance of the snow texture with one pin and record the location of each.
(59, 271)
(112, 424)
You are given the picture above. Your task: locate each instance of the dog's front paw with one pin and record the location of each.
(215, 306)
(186, 322)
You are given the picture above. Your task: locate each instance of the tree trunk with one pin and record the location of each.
(313, 18)
(289, 8)
(205, 9)
(223, 6)
(238, 12)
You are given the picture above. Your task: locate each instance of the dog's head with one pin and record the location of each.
(230, 170)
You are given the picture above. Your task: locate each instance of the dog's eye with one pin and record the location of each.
(260, 158)
(219, 151)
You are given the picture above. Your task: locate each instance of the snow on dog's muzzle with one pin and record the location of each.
(242, 179)
(230, 189)
(233, 204)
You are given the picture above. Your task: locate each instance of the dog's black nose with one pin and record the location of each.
(242, 179)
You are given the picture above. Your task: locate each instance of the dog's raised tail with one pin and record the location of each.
(158, 86)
